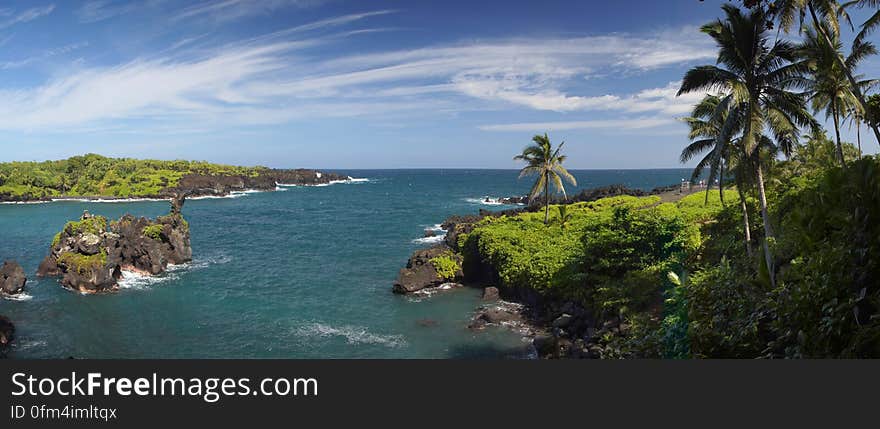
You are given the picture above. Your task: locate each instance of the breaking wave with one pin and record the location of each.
(351, 334)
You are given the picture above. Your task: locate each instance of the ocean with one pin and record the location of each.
(303, 272)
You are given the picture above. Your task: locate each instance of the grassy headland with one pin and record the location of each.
(98, 176)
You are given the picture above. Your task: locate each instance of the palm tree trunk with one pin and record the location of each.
(546, 200)
(721, 183)
(745, 209)
(859, 136)
(837, 133)
(768, 231)
(852, 81)
(748, 137)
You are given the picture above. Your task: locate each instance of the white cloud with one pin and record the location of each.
(25, 16)
(6, 65)
(618, 124)
(228, 10)
(100, 10)
(274, 79)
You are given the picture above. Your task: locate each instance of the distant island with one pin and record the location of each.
(95, 176)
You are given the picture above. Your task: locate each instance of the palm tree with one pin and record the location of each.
(790, 11)
(546, 163)
(759, 76)
(709, 134)
(829, 88)
(706, 123)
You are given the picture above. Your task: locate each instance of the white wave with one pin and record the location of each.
(357, 179)
(214, 197)
(435, 227)
(107, 200)
(17, 297)
(491, 201)
(198, 264)
(138, 281)
(20, 344)
(431, 291)
(426, 240)
(352, 334)
(486, 201)
(24, 202)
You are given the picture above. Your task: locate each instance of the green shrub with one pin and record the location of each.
(83, 264)
(92, 225)
(446, 265)
(154, 231)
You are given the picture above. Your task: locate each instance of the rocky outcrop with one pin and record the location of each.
(90, 258)
(455, 226)
(12, 278)
(421, 272)
(7, 331)
(491, 294)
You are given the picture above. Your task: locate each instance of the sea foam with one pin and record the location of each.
(351, 334)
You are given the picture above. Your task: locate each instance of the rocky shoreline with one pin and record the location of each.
(89, 257)
(203, 185)
(556, 329)
(12, 283)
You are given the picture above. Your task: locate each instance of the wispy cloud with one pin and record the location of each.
(6, 65)
(12, 18)
(227, 10)
(276, 78)
(617, 124)
(100, 10)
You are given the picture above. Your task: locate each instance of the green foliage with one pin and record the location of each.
(92, 225)
(153, 231)
(83, 264)
(827, 304)
(446, 265)
(95, 175)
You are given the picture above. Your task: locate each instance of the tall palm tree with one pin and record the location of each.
(706, 123)
(546, 163)
(857, 118)
(829, 88)
(760, 76)
(711, 132)
(788, 12)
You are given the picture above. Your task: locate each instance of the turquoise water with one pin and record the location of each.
(301, 273)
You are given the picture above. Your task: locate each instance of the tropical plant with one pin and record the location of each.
(564, 215)
(709, 134)
(829, 88)
(760, 77)
(546, 163)
(789, 12)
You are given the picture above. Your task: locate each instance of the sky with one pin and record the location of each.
(353, 84)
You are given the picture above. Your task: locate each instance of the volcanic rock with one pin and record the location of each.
(12, 279)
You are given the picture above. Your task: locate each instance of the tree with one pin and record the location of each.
(759, 76)
(829, 88)
(787, 12)
(546, 163)
(712, 132)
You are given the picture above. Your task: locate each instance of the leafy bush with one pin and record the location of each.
(153, 231)
(92, 225)
(446, 265)
(83, 264)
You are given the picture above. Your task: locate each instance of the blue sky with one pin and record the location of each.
(355, 84)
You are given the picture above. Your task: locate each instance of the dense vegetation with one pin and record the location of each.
(95, 175)
(782, 260)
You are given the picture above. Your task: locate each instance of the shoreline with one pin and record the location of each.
(279, 187)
